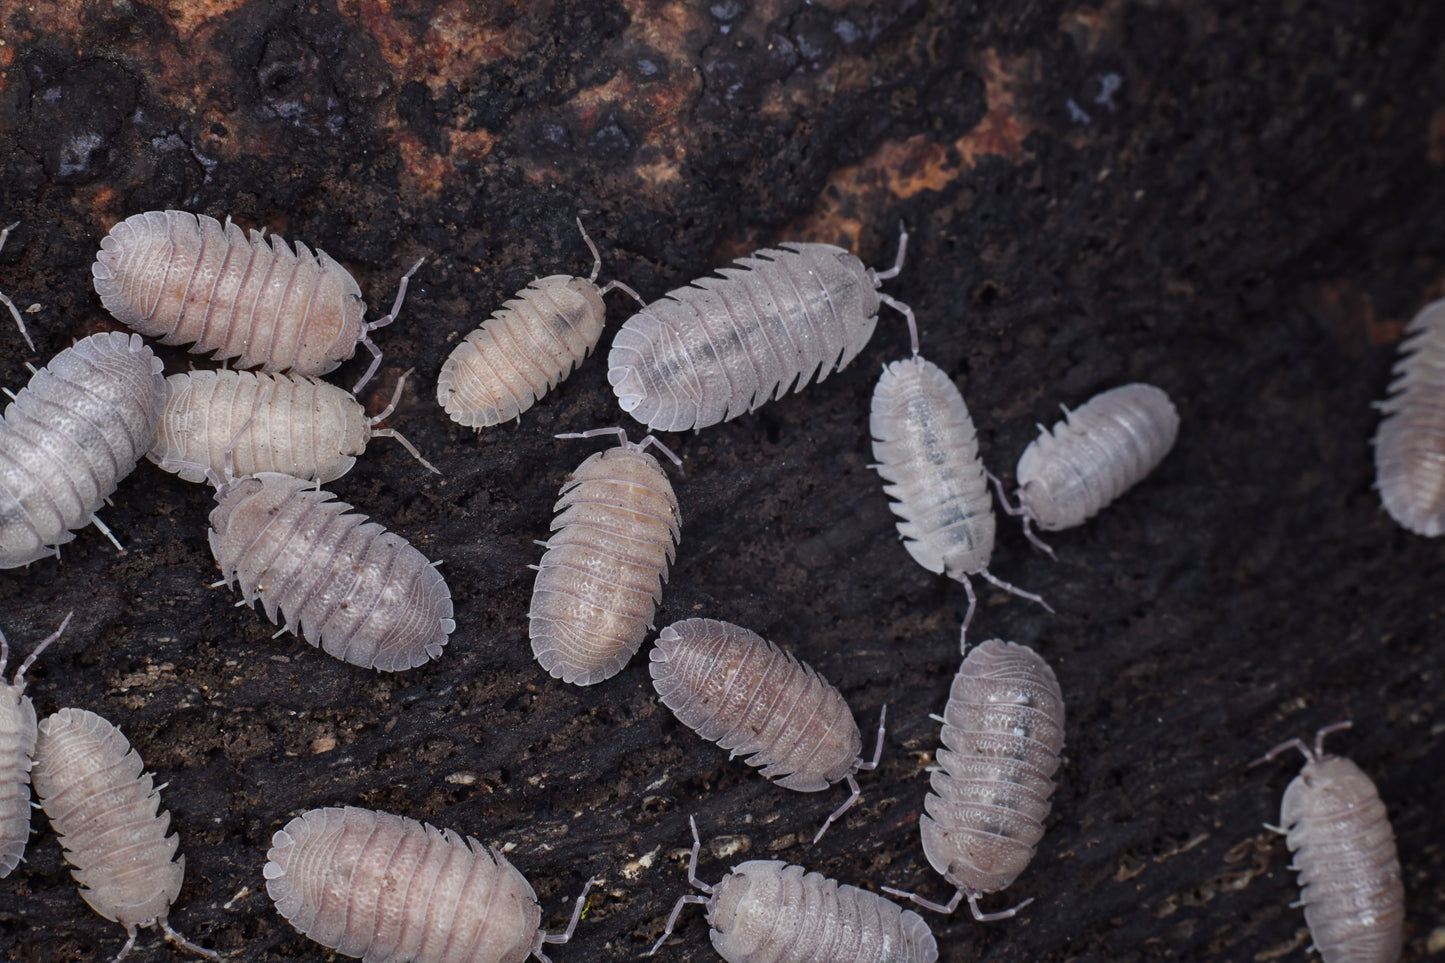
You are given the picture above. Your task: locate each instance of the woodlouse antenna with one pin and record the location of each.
(14, 313)
(958, 897)
(853, 791)
(898, 261)
(376, 432)
(563, 937)
(596, 257)
(997, 583)
(173, 936)
(19, 681)
(621, 433)
(686, 898)
(1020, 509)
(1311, 755)
(383, 322)
(907, 313)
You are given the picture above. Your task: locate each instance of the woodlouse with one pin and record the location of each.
(709, 351)
(303, 427)
(1003, 730)
(767, 911)
(104, 808)
(360, 592)
(9, 304)
(1409, 469)
(1349, 873)
(18, 733)
(735, 688)
(389, 889)
(614, 535)
(526, 348)
(68, 439)
(185, 278)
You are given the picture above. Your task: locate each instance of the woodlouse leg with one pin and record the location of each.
(95, 520)
(19, 321)
(571, 925)
(19, 679)
(185, 944)
(130, 932)
(383, 322)
(1019, 510)
(392, 432)
(1015, 590)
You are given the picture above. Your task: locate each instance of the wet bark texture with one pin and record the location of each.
(1240, 205)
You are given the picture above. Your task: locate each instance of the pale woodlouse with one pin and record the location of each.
(526, 348)
(1003, 730)
(615, 533)
(104, 808)
(187, 278)
(302, 426)
(1409, 469)
(69, 438)
(768, 911)
(711, 350)
(733, 687)
(5, 300)
(389, 889)
(1344, 850)
(17, 753)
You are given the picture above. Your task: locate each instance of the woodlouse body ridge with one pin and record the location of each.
(18, 733)
(1409, 469)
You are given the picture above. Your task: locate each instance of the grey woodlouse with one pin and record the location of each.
(69, 437)
(104, 808)
(526, 348)
(767, 911)
(733, 687)
(18, 733)
(1344, 850)
(5, 300)
(709, 351)
(185, 278)
(389, 889)
(1408, 468)
(360, 592)
(614, 535)
(1003, 730)
(304, 427)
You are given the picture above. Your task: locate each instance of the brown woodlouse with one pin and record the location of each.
(389, 889)
(1003, 730)
(767, 911)
(526, 348)
(304, 427)
(17, 751)
(185, 278)
(103, 807)
(1409, 470)
(1349, 873)
(709, 351)
(69, 437)
(737, 689)
(614, 535)
(9, 304)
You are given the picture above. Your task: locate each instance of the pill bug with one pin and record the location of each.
(767, 911)
(526, 348)
(9, 304)
(103, 808)
(733, 687)
(187, 278)
(303, 427)
(17, 751)
(614, 535)
(69, 437)
(389, 889)
(1408, 468)
(1003, 730)
(709, 351)
(361, 593)
(1344, 850)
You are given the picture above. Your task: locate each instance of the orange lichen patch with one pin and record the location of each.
(423, 173)
(1435, 138)
(189, 15)
(455, 43)
(471, 145)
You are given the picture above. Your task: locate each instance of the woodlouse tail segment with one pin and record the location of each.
(14, 312)
(566, 935)
(383, 322)
(1020, 509)
(174, 937)
(19, 681)
(686, 898)
(854, 793)
(392, 432)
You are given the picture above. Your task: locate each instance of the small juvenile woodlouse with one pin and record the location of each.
(733, 687)
(389, 889)
(9, 304)
(18, 733)
(1409, 471)
(767, 911)
(103, 807)
(614, 536)
(69, 437)
(526, 348)
(303, 427)
(184, 278)
(1003, 730)
(709, 351)
(1349, 873)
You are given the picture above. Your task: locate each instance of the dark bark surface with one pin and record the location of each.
(1238, 204)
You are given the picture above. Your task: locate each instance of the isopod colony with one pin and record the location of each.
(387, 887)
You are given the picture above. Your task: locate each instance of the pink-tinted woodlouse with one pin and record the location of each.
(303, 427)
(767, 911)
(615, 533)
(17, 751)
(186, 278)
(9, 304)
(1349, 873)
(1003, 730)
(709, 351)
(361, 593)
(737, 689)
(389, 889)
(68, 439)
(103, 807)
(526, 348)
(1409, 469)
